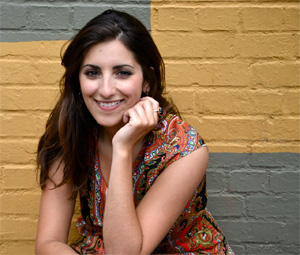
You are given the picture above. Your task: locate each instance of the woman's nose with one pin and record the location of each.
(107, 87)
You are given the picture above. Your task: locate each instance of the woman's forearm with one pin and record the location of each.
(121, 228)
(53, 247)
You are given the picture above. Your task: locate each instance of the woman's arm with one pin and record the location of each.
(56, 211)
(168, 196)
(130, 230)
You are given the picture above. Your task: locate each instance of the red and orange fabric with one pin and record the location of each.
(194, 232)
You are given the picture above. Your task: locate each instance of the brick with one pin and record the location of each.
(181, 97)
(28, 98)
(259, 19)
(216, 180)
(19, 177)
(291, 103)
(189, 73)
(291, 231)
(82, 14)
(267, 45)
(176, 19)
(275, 160)
(239, 101)
(18, 71)
(233, 128)
(282, 129)
(297, 36)
(273, 75)
(219, 19)
(275, 146)
(228, 160)
(20, 204)
(180, 45)
(291, 17)
(13, 16)
(225, 74)
(194, 122)
(41, 49)
(48, 17)
(226, 205)
(227, 147)
(259, 231)
(50, 72)
(285, 181)
(18, 247)
(21, 151)
(23, 125)
(194, 45)
(220, 45)
(273, 206)
(207, 73)
(264, 249)
(247, 181)
(18, 229)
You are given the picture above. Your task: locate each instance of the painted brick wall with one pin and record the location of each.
(32, 34)
(233, 71)
(234, 60)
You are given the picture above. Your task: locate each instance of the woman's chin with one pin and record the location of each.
(113, 124)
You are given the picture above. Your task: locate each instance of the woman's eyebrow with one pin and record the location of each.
(93, 66)
(114, 68)
(121, 66)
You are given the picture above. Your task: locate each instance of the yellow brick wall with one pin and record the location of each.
(30, 73)
(232, 69)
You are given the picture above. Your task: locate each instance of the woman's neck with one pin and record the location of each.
(108, 133)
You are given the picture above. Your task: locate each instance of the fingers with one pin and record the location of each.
(155, 104)
(139, 120)
(143, 113)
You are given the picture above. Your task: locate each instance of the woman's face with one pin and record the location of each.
(111, 82)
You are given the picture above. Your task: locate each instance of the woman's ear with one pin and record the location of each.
(146, 88)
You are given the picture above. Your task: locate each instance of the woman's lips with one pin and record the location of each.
(108, 105)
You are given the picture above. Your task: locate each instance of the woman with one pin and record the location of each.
(115, 139)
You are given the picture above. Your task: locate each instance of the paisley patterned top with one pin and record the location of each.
(194, 232)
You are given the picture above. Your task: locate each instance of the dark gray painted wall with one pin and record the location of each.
(26, 20)
(255, 200)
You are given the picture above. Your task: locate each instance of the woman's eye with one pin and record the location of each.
(91, 73)
(124, 73)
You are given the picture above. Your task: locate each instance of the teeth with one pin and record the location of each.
(109, 104)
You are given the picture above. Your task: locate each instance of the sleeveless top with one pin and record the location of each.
(194, 232)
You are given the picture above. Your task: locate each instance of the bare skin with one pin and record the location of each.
(56, 211)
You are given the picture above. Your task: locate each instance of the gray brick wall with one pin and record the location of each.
(26, 20)
(255, 200)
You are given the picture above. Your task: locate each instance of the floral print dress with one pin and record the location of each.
(194, 232)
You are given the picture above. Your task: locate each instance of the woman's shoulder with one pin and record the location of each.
(174, 131)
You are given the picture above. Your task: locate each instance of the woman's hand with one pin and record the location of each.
(140, 119)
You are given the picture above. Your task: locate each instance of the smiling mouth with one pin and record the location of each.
(109, 104)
